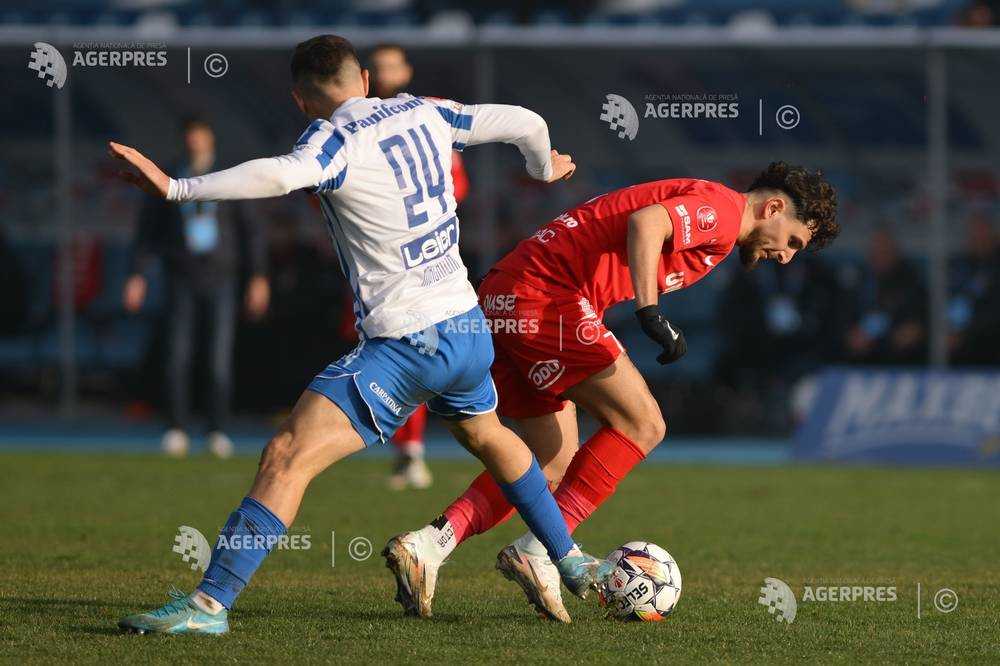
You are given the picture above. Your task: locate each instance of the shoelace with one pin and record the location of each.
(178, 604)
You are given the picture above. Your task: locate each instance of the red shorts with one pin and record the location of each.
(545, 342)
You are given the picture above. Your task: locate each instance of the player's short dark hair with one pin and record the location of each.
(193, 122)
(814, 199)
(322, 60)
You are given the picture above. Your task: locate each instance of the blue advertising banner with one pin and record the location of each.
(912, 417)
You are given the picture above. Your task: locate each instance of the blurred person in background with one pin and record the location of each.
(974, 296)
(778, 324)
(979, 14)
(14, 301)
(392, 74)
(890, 325)
(203, 247)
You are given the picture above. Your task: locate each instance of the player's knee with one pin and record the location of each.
(646, 427)
(657, 431)
(278, 458)
(473, 440)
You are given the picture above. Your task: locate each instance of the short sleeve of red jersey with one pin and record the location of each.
(695, 219)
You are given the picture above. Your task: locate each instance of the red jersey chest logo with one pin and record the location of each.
(707, 219)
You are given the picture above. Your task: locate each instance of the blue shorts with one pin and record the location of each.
(382, 381)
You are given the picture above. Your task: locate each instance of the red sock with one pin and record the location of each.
(603, 460)
(410, 436)
(480, 508)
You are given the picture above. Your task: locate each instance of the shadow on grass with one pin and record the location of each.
(45, 603)
(333, 613)
(98, 630)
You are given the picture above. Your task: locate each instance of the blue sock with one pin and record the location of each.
(531, 497)
(249, 535)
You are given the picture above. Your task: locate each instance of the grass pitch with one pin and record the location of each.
(87, 539)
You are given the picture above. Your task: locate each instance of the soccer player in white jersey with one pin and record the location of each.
(381, 169)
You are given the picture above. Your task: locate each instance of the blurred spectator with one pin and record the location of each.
(778, 323)
(86, 255)
(891, 322)
(974, 296)
(303, 328)
(391, 74)
(203, 245)
(979, 14)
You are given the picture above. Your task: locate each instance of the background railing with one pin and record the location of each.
(901, 119)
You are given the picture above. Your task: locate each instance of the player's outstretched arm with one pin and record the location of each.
(256, 179)
(503, 123)
(147, 176)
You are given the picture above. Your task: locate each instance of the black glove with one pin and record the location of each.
(663, 333)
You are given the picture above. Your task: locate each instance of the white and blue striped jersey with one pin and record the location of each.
(389, 203)
(382, 171)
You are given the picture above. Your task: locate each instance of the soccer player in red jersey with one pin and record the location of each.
(545, 302)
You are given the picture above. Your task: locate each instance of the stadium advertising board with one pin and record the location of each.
(904, 417)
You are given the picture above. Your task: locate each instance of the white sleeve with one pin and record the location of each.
(256, 179)
(318, 162)
(491, 123)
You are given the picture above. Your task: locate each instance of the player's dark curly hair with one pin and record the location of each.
(814, 199)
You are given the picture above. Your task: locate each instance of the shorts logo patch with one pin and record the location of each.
(707, 220)
(386, 399)
(545, 373)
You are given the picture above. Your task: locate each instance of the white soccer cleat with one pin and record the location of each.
(413, 562)
(418, 474)
(410, 472)
(175, 443)
(539, 579)
(219, 444)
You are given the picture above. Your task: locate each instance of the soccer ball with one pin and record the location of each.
(645, 584)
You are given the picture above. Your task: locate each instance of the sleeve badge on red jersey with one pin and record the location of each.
(707, 219)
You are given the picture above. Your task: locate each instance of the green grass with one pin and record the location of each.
(87, 539)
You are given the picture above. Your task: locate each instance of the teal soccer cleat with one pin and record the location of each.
(179, 616)
(583, 573)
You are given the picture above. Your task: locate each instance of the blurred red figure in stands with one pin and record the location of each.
(392, 73)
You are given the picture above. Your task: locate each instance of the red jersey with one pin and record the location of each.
(585, 250)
